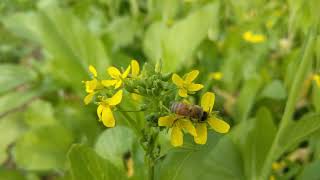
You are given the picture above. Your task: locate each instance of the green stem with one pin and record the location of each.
(275, 150)
(150, 169)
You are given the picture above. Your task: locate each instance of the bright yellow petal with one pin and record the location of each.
(188, 126)
(99, 111)
(194, 87)
(114, 72)
(126, 72)
(118, 84)
(107, 117)
(176, 137)
(88, 98)
(166, 121)
(201, 137)
(177, 80)
(183, 92)
(192, 76)
(115, 99)
(207, 101)
(316, 78)
(219, 125)
(108, 83)
(93, 71)
(91, 85)
(135, 68)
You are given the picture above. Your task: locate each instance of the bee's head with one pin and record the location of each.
(204, 116)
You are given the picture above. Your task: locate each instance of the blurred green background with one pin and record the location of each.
(46, 46)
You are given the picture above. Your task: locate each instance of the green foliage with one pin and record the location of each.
(268, 91)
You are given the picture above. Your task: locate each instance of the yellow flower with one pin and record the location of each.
(207, 102)
(92, 85)
(253, 38)
(135, 70)
(104, 109)
(276, 166)
(117, 77)
(216, 75)
(186, 85)
(272, 178)
(177, 124)
(316, 78)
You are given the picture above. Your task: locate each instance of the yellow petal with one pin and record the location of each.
(316, 78)
(192, 75)
(114, 72)
(99, 111)
(201, 137)
(176, 136)
(177, 80)
(126, 72)
(88, 98)
(118, 84)
(207, 101)
(195, 87)
(188, 126)
(135, 68)
(107, 117)
(183, 92)
(219, 125)
(93, 71)
(108, 83)
(91, 85)
(166, 121)
(115, 99)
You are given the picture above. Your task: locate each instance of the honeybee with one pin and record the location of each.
(194, 112)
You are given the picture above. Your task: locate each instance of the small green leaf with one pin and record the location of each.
(86, 164)
(10, 129)
(310, 171)
(7, 174)
(39, 113)
(43, 149)
(114, 143)
(274, 90)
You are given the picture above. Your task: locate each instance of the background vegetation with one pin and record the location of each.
(266, 91)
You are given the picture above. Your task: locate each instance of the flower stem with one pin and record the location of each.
(276, 150)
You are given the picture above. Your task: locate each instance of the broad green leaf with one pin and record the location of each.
(39, 113)
(247, 98)
(185, 36)
(14, 100)
(310, 171)
(215, 160)
(10, 129)
(43, 149)
(114, 143)
(274, 90)
(12, 76)
(71, 46)
(298, 130)
(182, 39)
(86, 164)
(254, 140)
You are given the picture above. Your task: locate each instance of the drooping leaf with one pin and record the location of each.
(298, 130)
(71, 46)
(86, 164)
(12, 76)
(16, 99)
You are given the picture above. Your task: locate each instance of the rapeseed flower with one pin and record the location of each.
(185, 85)
(253, 38)
(117, 77)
